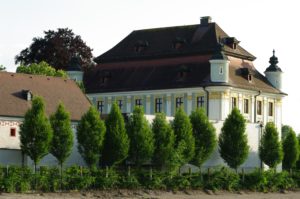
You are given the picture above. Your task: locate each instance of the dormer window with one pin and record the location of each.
(249, 78)
(232, 42)
(27, 95)
(182, 72)
(247, 74)
(178, 43)
(105, 76)
(140, 46)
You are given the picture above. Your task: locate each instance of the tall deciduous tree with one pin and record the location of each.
(270, 150)
(290, 150)
(184, 139)
(116, 142)
(163, 141)
(42, 68)
(62, 141)
(285, 129)
(56, 48)
(141, 138)
(233, 142)
(36, 132)
(205, 136)
(90, 136)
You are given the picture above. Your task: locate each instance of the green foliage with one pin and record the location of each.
(141, 138)
(90, 136)
(35, 131)
(56, 48)
(233, 142)
(78, 178)
(255, 181)
(2, 68)
(223, 179)
(278, 181)
(290, 150)
(17, 179)
(48, 179)
(205, 136)
(42, 68)
(298, 161)
(181, 182)
(270, 150)
(163, 141)
(116, 142)
(62, 141)
(285, 129)
(107, 178)
(184, 139)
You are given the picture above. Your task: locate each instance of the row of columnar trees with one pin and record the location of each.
(164, 144)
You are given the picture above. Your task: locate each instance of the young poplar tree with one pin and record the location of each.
(163, 141)
(184, 139)
(116, 142)
(141, 138)
(233, 142)
(205, 136)
(62, 141)
(36, 132)
(290, 150)
(90, 136)
(298, 161)
(270, 150)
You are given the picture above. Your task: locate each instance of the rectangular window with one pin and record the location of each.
(138, 102)
(179, 102)
(120, 104)
(259, 108)
(246, 106)
(100, 106)
(271, 109)
(233, 102)
(200, 101)
(158, 105)
(12, 132)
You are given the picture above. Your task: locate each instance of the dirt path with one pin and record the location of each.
(154, 195)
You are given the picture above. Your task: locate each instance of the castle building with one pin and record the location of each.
(188, 66)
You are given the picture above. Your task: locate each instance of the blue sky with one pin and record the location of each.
(260, 25)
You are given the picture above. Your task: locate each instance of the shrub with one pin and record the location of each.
(255, 181)
(78, 178)
(17, 179)
(278, 181)
(223, 179)
(106, 178)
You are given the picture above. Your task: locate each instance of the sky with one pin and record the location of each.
(260, 25)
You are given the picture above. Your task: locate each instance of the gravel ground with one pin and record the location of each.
(154, 195)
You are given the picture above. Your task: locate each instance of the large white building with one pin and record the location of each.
(190, 66)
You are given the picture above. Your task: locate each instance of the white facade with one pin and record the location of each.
(10, 151)
(275, 78)
(75, 75)
(219, 70)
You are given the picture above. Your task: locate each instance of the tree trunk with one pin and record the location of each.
(61, 175)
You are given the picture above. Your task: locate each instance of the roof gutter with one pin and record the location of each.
(207, 101)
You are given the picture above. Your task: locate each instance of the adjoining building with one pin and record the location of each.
(16, 93)
(190, 66)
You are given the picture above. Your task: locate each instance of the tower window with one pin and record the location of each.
(250, 78)
(221, 70)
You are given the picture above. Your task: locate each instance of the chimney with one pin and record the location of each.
(205, 20)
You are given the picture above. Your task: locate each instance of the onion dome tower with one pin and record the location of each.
(274, 73)
(219, 66)
(74, 70)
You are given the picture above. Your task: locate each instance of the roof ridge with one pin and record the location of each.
(36, 75)
(167, 27)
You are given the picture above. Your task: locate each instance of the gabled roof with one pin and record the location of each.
(173, 41)
(13, 103)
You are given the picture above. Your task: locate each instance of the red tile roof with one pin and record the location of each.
(52, 89)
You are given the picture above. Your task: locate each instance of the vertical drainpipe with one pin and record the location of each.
(260, 125)
(207, 101)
